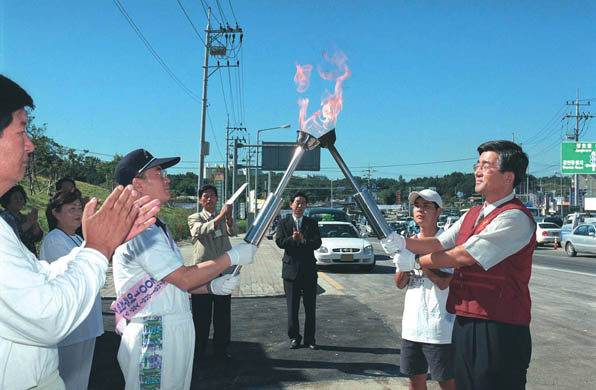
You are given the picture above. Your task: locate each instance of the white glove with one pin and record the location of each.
(394, 243)
(224, 285)
(242, 254)
(404, 260)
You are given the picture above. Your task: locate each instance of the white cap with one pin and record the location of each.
(430, 195)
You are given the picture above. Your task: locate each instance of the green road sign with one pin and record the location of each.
(578, 157)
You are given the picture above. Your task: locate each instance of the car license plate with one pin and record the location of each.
(346, 257)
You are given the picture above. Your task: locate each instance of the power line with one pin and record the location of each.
(205, 8)
(232, 9)
(223, 17)
(190, 21)
(153, 51)
(214, 137)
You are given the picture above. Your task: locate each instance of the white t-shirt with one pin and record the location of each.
(150, 253)
(55, 245)
(40, 304)
(505, 235)
(425, 317)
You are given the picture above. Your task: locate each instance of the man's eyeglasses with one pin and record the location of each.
(163, 174)
(485, 167)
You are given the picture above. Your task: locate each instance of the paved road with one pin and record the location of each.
(558, 259)
(359, 323)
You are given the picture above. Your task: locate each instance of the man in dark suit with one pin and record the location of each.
(299, 236)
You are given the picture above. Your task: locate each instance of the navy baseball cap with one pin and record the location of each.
(137, 162)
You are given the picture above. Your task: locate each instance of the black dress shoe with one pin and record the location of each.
(295, 343)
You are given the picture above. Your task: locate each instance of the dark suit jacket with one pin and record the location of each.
(298, 258)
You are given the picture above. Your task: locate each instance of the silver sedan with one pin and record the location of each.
(581, 239)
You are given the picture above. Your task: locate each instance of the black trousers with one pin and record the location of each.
(307, 289)
(490, 355)
(205, 307)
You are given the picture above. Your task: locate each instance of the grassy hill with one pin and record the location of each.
(175, 217)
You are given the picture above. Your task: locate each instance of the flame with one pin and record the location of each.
(324, 119)
(302, 77)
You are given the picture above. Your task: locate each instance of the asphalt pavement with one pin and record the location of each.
(358, 330)
(357, 350)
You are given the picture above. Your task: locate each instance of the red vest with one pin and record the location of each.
(501, 293)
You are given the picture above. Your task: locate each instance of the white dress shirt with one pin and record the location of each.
(505, 235)
(40, 304)
(298, 223)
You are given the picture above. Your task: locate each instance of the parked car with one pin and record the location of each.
(273, 226)
(441, 221)
(554, 219)
(342, 244)
(327, 214)
(546, 232)
(450, 221)
(581, 239)
(398, 226)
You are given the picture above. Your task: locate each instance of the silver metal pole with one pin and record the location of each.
(271, 208)
(365, 201)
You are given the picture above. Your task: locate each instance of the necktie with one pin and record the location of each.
(298, 225)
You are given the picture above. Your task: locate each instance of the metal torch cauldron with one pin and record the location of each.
(257, 230)
(362, 196)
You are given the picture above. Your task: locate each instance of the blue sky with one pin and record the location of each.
(431, 80)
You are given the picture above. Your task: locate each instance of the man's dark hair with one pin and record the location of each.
(12, 98)
(6, 197)
(59, 199)
(62, 181)
(207, 188)
(511, 157)
(297, 194)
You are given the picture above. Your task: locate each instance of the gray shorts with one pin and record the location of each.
(417, 358)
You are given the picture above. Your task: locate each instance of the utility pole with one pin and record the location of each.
(575, 135)
(229, 131)
(234, 173)
(368, 174)
(217, 42)
(227, 163)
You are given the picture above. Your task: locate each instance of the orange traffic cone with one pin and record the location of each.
(556, 243)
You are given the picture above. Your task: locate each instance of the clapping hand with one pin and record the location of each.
(297, 236)
(120, 218)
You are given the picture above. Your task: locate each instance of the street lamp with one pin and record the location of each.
(286, 126)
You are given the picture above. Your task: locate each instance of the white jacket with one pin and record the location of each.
(40, 304)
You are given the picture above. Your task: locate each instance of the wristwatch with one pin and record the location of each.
(417, 265)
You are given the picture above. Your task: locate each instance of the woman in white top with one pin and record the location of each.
(64, 212)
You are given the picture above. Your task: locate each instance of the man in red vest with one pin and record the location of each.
(491, 249)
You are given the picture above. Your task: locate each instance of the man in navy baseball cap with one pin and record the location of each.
(139, 161)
